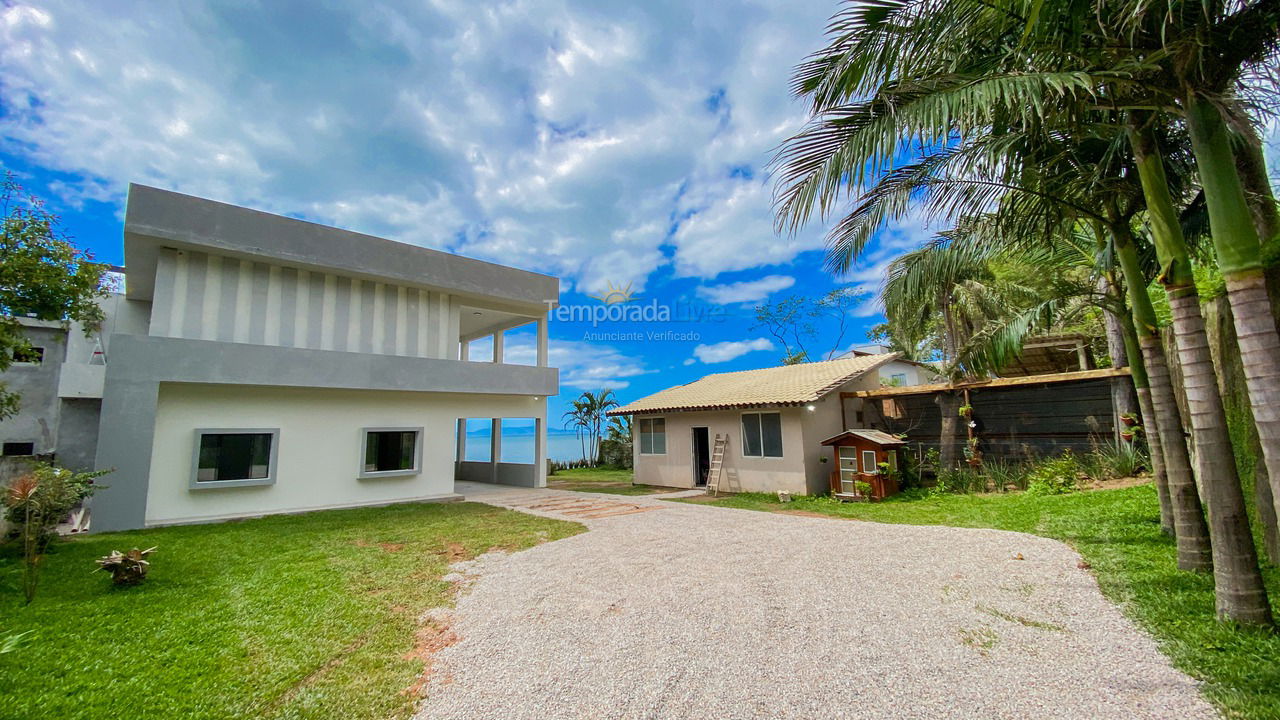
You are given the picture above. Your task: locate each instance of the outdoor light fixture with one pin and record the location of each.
(477, 312)
(811, 408)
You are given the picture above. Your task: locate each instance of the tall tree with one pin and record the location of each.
(42, 276)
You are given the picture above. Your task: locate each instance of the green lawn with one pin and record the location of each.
(303, 616)
(601, 480)
(1117, 532)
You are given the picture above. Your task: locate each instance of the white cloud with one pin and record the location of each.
(558, 135)
(747, 291)
(731, 228)
(729, 350)
(583, 365)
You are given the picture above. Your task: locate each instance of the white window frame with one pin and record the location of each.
(270, 479)
(742, 434)
(640, 429)
(364, 447)
(874, 467)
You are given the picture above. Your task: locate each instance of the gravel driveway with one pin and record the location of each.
(690, 611)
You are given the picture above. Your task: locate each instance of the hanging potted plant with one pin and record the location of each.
(1129, 419)
(966, 411)
(1127, 434)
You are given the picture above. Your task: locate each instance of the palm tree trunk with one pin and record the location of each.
(1142, 388)
(1239, 592)
(1235, 237)
(1190, 530)
(1122, 391)
(949, 405)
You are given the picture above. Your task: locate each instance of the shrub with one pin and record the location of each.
(615, 453)
(862, 488)
(37, 501)
(1117, 460)
(959, 480)
(1054, 476)
(1004, 474)
(45, 497)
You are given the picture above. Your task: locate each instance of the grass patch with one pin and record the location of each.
(1118, 534)
(301, 616)
(614, 481)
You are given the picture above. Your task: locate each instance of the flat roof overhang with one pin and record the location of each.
(156, 219)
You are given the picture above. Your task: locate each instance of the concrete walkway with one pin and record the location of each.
(673, 610)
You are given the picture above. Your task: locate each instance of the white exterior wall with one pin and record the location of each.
(800, 470)
(741, 474)
(200, 296)
(914, 374)
(320, 450)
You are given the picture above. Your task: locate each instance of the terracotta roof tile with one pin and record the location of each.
(784, 385)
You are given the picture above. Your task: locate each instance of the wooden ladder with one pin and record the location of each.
(717, 464)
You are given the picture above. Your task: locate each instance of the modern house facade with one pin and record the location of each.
(771, 423)
(259, 364)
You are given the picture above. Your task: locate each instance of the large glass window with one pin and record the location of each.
(653, 436)
(243, 457)
(762, 434)
(391, 451)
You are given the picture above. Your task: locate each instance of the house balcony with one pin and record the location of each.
(146, 358)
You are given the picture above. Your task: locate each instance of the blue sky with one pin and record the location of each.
(612, 145)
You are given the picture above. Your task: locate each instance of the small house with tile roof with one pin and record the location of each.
(758, 430)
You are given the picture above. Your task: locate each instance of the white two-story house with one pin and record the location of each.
(260, 364)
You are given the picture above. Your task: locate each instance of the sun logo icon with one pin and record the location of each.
(615, 295)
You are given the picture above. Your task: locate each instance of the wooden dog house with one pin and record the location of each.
(858, 456)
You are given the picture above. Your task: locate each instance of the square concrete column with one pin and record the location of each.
(497, 346)
(495, 446)
(542, 342)
(464, 350)
(462, 447)
(540, 451)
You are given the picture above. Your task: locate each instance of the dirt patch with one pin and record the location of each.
(434, 634)
(1118, 483)
(453, 552)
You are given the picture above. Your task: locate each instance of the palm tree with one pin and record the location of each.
(919, 68)
(588, 415)
(577, 417)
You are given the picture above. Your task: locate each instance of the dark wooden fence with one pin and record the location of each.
(1014, 423)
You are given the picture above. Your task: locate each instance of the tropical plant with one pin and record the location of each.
(43, 497)
(1054, 476)
(588, 415)
(978, 80)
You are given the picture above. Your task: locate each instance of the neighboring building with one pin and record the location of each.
(772, 422)
(60, 391)
(259, 364)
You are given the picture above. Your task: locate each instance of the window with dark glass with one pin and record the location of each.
(28, 355)
(653, 436)
(234, 456)
(19, 448)
(762, 434)
(390, 450)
